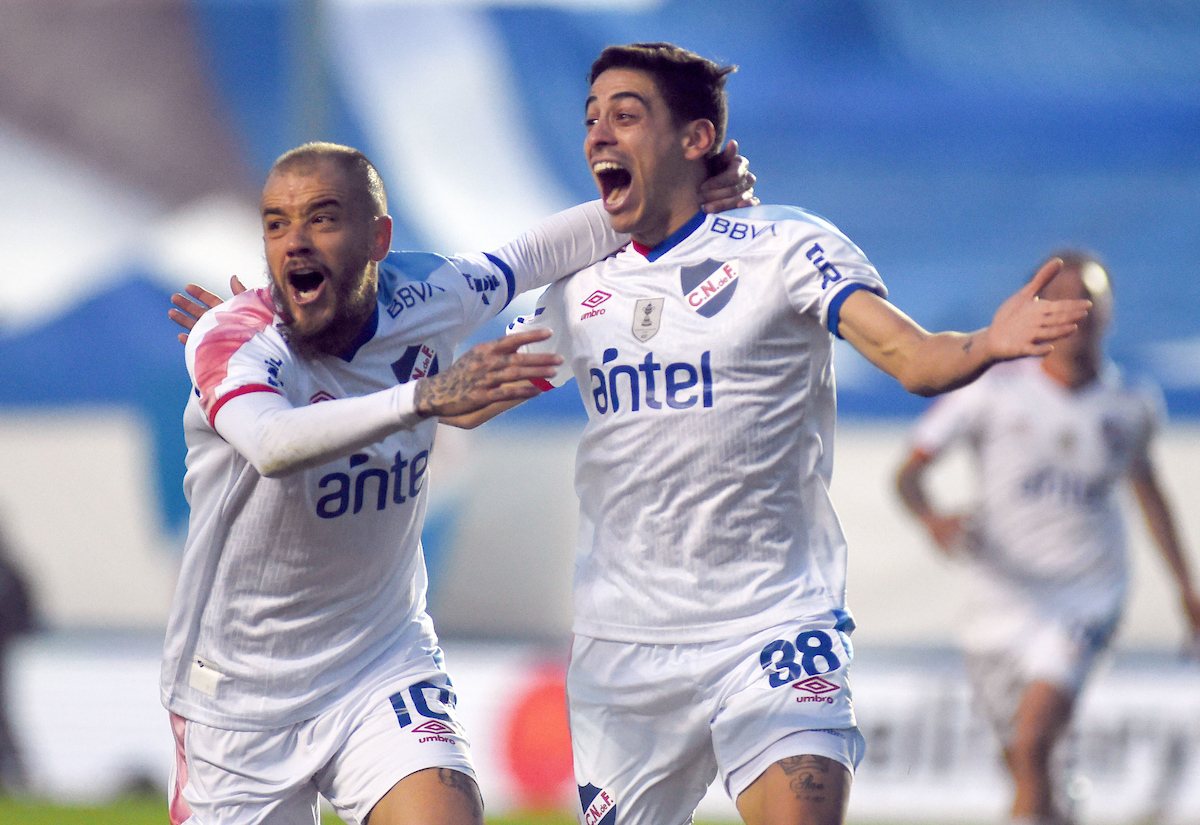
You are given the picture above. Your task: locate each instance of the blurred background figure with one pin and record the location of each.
(16, 618)
(1043, 552)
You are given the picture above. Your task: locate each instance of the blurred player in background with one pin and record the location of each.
(18, 617)
(299, 656)
(1044, 550)
(711, 630)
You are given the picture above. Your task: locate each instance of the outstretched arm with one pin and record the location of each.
(1162, 529)
(930, 363)
(910, 484)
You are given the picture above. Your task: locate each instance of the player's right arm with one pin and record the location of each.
(240, 372)
(944, 529)
(949, 420)
(929, 363)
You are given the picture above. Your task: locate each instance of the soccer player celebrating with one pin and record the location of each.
(299, 657)
(711, 629)
(1043, 552)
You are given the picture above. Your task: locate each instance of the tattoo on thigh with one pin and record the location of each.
(460, 782)
(808, 775)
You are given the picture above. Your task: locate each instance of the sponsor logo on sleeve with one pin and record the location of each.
(829, 275)
(647, 317)
(708, 286)
(320, 396)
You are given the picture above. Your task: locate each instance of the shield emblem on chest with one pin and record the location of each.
(708, 286)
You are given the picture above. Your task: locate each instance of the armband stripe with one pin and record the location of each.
(542, 384)
(243, 390)
(509, 278)
(835, 305)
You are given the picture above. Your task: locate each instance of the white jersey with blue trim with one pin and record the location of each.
(292, 586)
(706, 367)
(1051, 462)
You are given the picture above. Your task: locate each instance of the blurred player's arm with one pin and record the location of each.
(279, 439)
(928, 363)
(470, 421)
(910, 484)
(1161, 525)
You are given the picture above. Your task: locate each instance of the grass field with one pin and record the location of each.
(151, 811)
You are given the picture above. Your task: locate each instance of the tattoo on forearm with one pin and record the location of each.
(434, 392)
(967, 344)
(808, 775)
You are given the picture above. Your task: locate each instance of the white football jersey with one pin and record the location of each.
(1050, 462)
(290, 587)
(706, 368)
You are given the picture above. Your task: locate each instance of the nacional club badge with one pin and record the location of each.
(707, 287)
(647, 317)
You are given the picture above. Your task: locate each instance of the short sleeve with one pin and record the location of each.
(549, 314)
(233, 350)
(821, 266)
(951, 417)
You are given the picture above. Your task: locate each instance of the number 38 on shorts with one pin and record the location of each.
(812, 653)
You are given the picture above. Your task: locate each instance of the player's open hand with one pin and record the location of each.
(189, 311)
(731, 189)
(486, 374)
(1027, 325)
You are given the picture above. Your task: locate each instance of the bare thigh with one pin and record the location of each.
(434, 796)
(799, 790)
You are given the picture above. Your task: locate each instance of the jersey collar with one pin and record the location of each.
(672, 241)
(368, 332)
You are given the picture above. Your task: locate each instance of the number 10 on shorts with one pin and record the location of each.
(811, 654)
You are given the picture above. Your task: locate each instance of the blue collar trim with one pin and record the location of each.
(676, 237)
(368, 332)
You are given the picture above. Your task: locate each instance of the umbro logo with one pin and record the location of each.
(433, 726)
(596, 299)
(816, 684)
(434, 731)
(320, 396)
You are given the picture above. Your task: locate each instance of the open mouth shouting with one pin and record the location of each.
(305, 283)
(614, 182)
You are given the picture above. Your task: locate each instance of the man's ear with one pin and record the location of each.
(381, 238)
(698, 138)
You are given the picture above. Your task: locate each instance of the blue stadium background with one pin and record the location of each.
(956, 143)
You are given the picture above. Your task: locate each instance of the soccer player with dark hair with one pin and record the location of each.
(1042, 553)
(711, 627)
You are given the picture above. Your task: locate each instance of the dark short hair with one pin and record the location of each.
(692, 86)
(361, 171)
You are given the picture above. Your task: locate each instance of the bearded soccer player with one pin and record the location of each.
(299, 657)
(711, 628)
(1043, 553)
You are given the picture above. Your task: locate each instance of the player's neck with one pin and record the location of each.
(1074, 373)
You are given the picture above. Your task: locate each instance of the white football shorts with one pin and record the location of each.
(352, 754)
(652, 725)
(1056, 650)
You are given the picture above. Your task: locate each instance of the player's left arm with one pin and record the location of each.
(1161, 525)
(928, 363)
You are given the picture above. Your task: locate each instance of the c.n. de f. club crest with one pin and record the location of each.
(708, 286)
